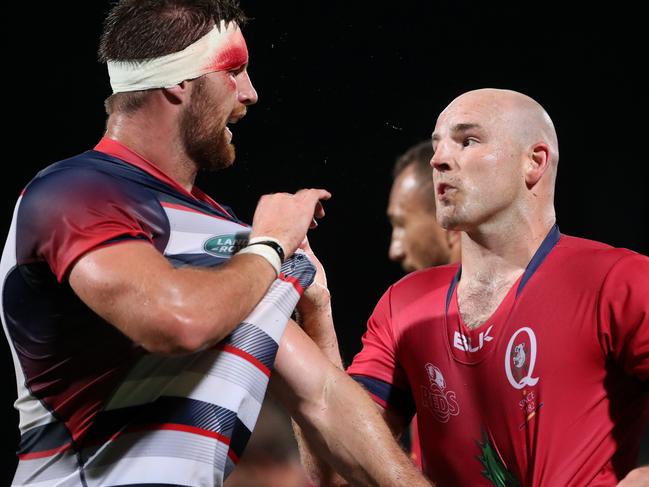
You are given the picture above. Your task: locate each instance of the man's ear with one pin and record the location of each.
(177, 94)
(537, 163)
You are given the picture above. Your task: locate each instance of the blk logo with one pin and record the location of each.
(463, 342)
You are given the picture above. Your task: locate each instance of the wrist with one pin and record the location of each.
(267, 252)
(315, 300)
(271, 242)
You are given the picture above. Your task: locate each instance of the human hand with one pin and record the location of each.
(638, 477)
(316, 297)
(287, 217)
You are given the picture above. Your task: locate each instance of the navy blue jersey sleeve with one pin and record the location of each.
(65, 213)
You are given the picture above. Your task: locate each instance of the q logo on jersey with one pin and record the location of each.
(520, 358)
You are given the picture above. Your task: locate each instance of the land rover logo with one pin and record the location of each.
(226, 245)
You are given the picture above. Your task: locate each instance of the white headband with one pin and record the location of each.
(195, 60)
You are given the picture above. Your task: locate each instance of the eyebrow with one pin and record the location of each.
(458, 129)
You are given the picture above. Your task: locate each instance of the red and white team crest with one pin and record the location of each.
(436, 398)
(521, 358)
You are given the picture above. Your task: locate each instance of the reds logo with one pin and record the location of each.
(436, 398)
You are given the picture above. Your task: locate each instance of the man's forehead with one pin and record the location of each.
(462, 117)
(231, 52)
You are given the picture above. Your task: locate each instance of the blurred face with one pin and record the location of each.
(417, 239)
(477, 167)
(218, 99)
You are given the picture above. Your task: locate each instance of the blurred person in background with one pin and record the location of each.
(271, 458)
(417, 240)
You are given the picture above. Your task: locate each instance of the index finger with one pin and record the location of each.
(316, 193)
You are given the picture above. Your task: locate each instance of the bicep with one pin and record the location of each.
(121, 284)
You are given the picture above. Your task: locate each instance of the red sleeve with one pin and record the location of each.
(623, 314)
(376, 365)
(64, 215)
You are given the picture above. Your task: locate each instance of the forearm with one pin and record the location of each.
(317, 322)
(360, 447)
(338, 418)
(320, 473)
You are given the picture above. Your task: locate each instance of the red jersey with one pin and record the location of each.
(550, 391)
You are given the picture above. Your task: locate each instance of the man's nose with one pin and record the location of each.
(441, 158)
(396, 252)
(247, 92)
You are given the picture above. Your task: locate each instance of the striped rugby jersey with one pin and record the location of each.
(95, 408)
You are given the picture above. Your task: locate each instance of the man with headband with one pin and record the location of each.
(143, 317)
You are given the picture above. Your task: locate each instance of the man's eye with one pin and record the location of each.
(469, 141)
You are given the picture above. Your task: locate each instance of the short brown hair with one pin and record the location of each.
(419, 156)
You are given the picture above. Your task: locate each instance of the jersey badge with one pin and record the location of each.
(441, 402)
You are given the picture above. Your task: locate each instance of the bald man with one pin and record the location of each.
(418, 241)
(528, 363)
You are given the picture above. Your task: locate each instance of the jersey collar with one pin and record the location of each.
(541, 253)
(120, 151)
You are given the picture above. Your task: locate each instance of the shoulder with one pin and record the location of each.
(586, 265)
(591, 257)
(426, 279)
(421, 287)
(77, 182)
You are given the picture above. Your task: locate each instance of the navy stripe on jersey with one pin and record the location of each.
(240, 437)
(123, 238)
(300, 266)
(389, 395)
(52, 436)
(251, 340)
(167, 410)
(196, 260)
(164, 411)
(539, 256)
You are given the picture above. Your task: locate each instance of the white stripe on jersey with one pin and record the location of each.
(190, 230)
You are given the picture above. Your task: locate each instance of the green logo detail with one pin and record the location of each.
(226, 245)
(494, 468)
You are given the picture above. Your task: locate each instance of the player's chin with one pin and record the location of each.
(226, 157)
(408, 266)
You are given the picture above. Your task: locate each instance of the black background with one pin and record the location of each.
(344, 87)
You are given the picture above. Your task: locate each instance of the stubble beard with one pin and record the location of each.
(203, 132)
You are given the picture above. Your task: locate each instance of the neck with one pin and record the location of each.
(156, 138)
(502, 251)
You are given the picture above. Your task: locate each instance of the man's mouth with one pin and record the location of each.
(443, 189)
(231, 121)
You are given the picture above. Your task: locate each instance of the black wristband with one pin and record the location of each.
(273, 245)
